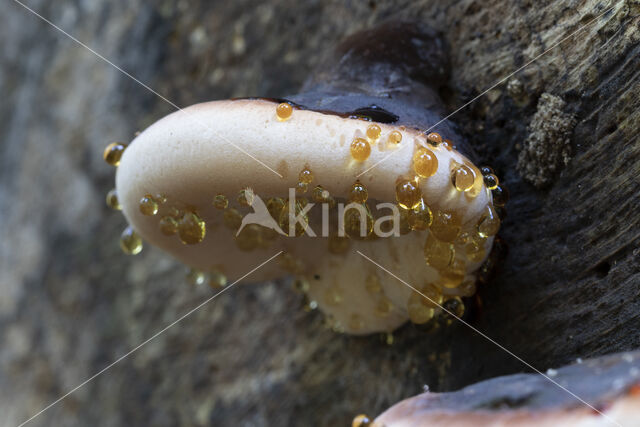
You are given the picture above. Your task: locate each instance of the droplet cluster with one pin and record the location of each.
(452, 248)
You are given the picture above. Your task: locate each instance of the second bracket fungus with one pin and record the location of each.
(343, 168)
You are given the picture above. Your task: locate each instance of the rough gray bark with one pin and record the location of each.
(71, 302)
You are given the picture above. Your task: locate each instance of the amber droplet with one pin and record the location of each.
(196, 277)
(486, 170)
(220, 201)
(373, 132)
(359, 193)
(446, 225)
(284, 111)
(232, 219)
(191, 228)
(408, 193)
(356, 322)
(383, 307)
(112, 200)
(438, 254)
(453, 275)
(462, 177)
(113, 153)
(319, 194)
(361, 421)
(425, 162)
(467, 288)
(160, 199)
(358, 223)
(395, 137)
(419, 313)
(130, 241)
(301, 188)
(249, 238)
(420, 217)
(489, 223)
(275, 206)
(245, 197)
(474, 246)
(217, 280)
(500, 195)
(360, 149)
(305, 176)
(431, 295)
(491, 181)
(148, 206)
(434, 138)
(168, 226)
(453, 306)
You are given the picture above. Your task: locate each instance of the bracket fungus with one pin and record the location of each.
(346, 166)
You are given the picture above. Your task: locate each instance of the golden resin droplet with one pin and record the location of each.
(358, 223)
(467, 288)
(284, 111)
(372, 284)
(434, 138)
(196, 277)
(462, 178)
(191, 228)
(168, 226)
(373, 132)
(249, 238)
(319, 194)
(454, 306)
(217, 280)
(408, 194)
(356, 322)
(338, 245)
(112, 200)
(425, 162)
(148, 206)
(489, 223)
(491, 181)
(431, 295)
(395, 137)
(361, 421)
(419, 313)
(383, 307)
(305, 176)
(500, 195)
(474, 246)
(359, 193)
(438, 254)
(420, 217)
(130, 241)
(220, 201)
(160, 198)
(360, 149)
(301, 188)
(275, 206)
(232, 219)
(453, 275)
(446, 144)
(113, 153)
(332, 296)
(446, 225)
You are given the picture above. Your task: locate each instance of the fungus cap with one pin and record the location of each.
(186, 159)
